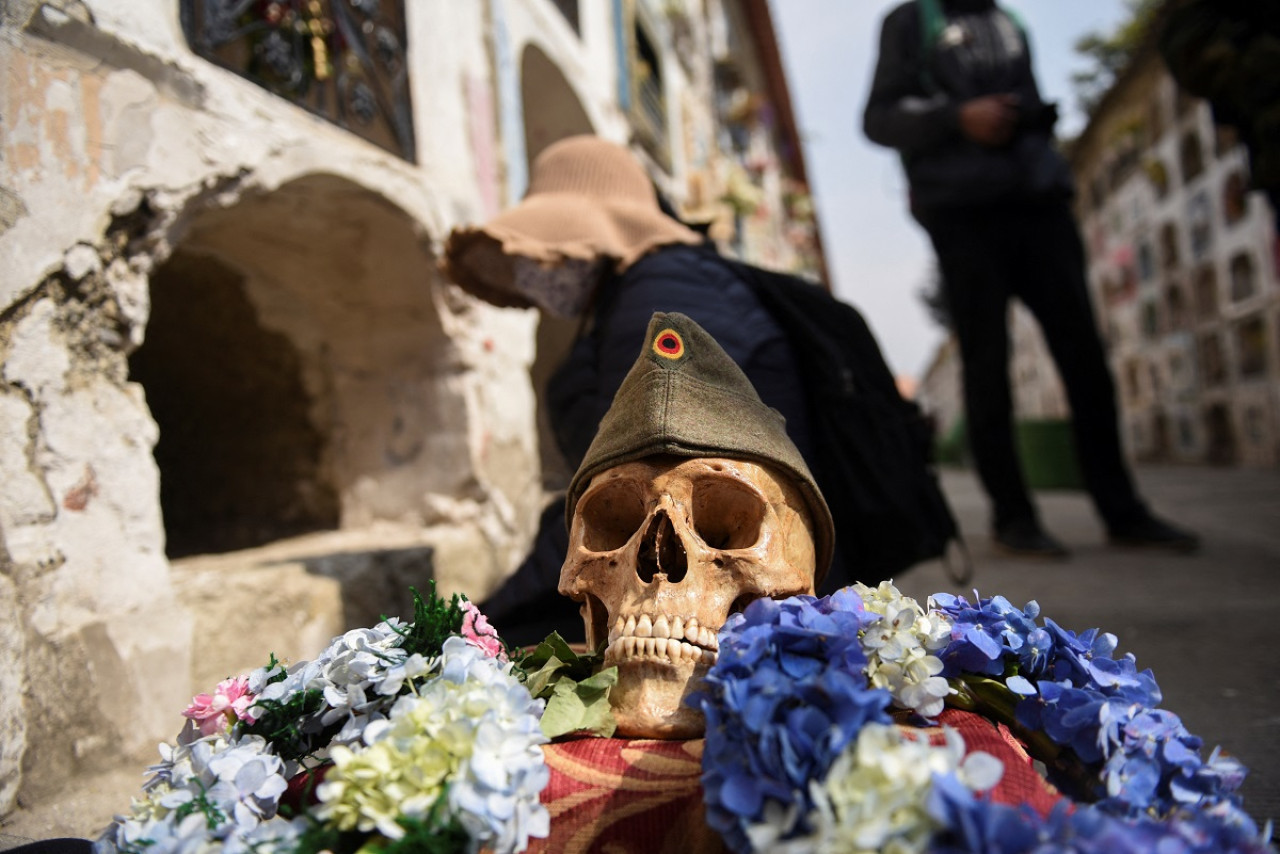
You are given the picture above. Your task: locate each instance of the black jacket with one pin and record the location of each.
(915, 99)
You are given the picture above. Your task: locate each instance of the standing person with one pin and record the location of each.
(591, 238)
(1228, 52)
(954, 93)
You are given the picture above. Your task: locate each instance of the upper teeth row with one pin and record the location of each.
(676, 628)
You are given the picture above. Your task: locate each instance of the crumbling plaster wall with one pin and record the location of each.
(113, 138)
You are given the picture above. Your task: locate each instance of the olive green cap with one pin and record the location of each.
(685, 397)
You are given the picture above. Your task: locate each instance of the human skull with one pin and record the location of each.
(661, 552)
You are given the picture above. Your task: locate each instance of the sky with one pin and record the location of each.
(879, 259)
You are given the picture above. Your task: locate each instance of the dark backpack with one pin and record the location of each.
(872, 447)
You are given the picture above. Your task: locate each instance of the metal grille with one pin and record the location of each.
(344, 60)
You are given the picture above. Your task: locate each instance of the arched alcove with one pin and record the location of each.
(551, 107)
(1244, 277)
(1191, 155)
(552, 111)
(239, 456)
(298, 371)
(1221, 447)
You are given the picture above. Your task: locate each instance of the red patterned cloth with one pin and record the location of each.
(637, 796)
(1021, 782)
(617, 796)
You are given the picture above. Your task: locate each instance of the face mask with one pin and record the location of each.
(561, 289)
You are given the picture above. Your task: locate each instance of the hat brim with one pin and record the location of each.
(549, 228)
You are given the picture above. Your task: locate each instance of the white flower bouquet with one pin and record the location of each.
(421, 737)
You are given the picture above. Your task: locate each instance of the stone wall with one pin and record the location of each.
(314, 374)
(100, 647)
(1169, 227)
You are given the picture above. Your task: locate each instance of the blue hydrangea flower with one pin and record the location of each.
(1086, 660)
(785, 697)
(979, 827)
(983, 635)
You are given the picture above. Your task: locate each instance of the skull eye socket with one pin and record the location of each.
(610, 516)
(727, 514)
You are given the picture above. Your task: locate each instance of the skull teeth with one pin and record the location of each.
(664, 628)
(667, 649)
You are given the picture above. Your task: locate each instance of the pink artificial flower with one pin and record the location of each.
(229, 702)
(478, 632)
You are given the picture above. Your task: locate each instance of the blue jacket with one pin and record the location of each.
(692, 280)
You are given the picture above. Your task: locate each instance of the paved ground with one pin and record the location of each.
(1202, 623)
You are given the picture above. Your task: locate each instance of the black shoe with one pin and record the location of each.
(1028, 539)
(1150, 532)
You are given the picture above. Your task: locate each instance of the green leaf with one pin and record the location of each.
(540, 681)
(554, 659)
(282, 724)
(577, 696)
(600, 682)
(581, 706)
(556, 647)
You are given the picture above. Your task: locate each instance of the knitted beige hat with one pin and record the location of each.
(685, 397)
(587, 198)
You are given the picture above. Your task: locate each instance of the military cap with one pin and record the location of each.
(685, 397)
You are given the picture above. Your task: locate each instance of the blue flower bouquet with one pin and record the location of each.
(802, 754)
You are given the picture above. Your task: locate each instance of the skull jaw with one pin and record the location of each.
(649, 700)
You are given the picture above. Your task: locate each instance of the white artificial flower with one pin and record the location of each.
(277, 836)
(249, 780)
(876, 792)
(359, 675)
(899, 649)
(353, 668)
(778, 820)
(393, 678)
(206, 796)
(473, 728)
(296, 679)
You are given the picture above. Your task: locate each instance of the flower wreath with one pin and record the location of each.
(802, 754)
(427, 736)
(422, 737)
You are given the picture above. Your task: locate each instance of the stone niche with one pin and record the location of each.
(296, 346)
(239, 426)
(241, 459)
(313, 439)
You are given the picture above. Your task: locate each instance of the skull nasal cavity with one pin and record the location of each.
(661, 551)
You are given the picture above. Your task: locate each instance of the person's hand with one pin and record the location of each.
(989, 120)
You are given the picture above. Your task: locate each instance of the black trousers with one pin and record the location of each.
(1032, 251)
